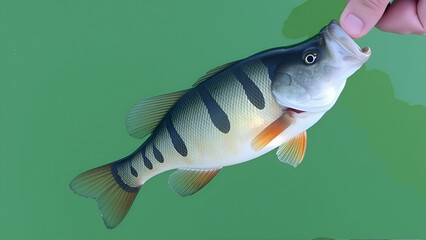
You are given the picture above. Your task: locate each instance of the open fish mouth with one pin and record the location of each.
(335, 33)
(291, 111)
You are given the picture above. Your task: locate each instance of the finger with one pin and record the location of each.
(404, 17)
(360, 16)
(421, 12)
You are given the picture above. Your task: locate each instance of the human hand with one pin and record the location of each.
(402, 16)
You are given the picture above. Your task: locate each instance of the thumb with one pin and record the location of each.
(360, 16)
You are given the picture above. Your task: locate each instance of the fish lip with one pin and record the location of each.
(334, 32)
(289, 107)
(294, 110)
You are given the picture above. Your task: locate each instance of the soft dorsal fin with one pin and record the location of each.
(271, 132)
(145, 115)
(293, 151)
(186, 182)
(213, 72)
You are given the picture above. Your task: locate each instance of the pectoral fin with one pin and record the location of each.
(186, 182)
(271, 132)
(293, 151)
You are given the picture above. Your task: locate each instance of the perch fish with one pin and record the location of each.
(235, 113)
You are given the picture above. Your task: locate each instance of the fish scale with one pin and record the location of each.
(194, 126)
(235, 113)
(234, 100)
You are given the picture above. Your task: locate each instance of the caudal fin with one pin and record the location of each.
(99, 183)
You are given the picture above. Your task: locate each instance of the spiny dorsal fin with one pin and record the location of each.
(145, 115)
(186, 182)
(293, 151)
(213, 72)
(271, 132)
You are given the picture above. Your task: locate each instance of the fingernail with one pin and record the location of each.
(353, 25)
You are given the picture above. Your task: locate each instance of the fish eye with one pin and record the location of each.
(310, 58)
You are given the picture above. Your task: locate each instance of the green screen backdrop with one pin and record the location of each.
(71, 70)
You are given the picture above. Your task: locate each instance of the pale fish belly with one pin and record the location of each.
(228, 150)
(237, 149)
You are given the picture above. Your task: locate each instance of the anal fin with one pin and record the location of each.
(293, 151)
(186, 182)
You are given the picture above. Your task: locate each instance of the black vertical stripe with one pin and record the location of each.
(271, 65)
(217, 115)
(133, 171)
(119, 181)
(146, 161)
(157, 154)
(177, 141)
(253, 93)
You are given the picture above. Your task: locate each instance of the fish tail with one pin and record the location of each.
(101, 184)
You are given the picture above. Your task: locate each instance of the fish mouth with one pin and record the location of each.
(298, 109)
(336, 34)
(293, 110)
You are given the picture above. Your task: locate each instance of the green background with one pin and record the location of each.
(70, 71)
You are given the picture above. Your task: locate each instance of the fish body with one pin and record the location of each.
(235, 113)
(191, 137)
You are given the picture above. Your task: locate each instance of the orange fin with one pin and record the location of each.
(271, 132)
(186, 182)
(293, 151)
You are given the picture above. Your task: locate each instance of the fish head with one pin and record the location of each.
(312, 75)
